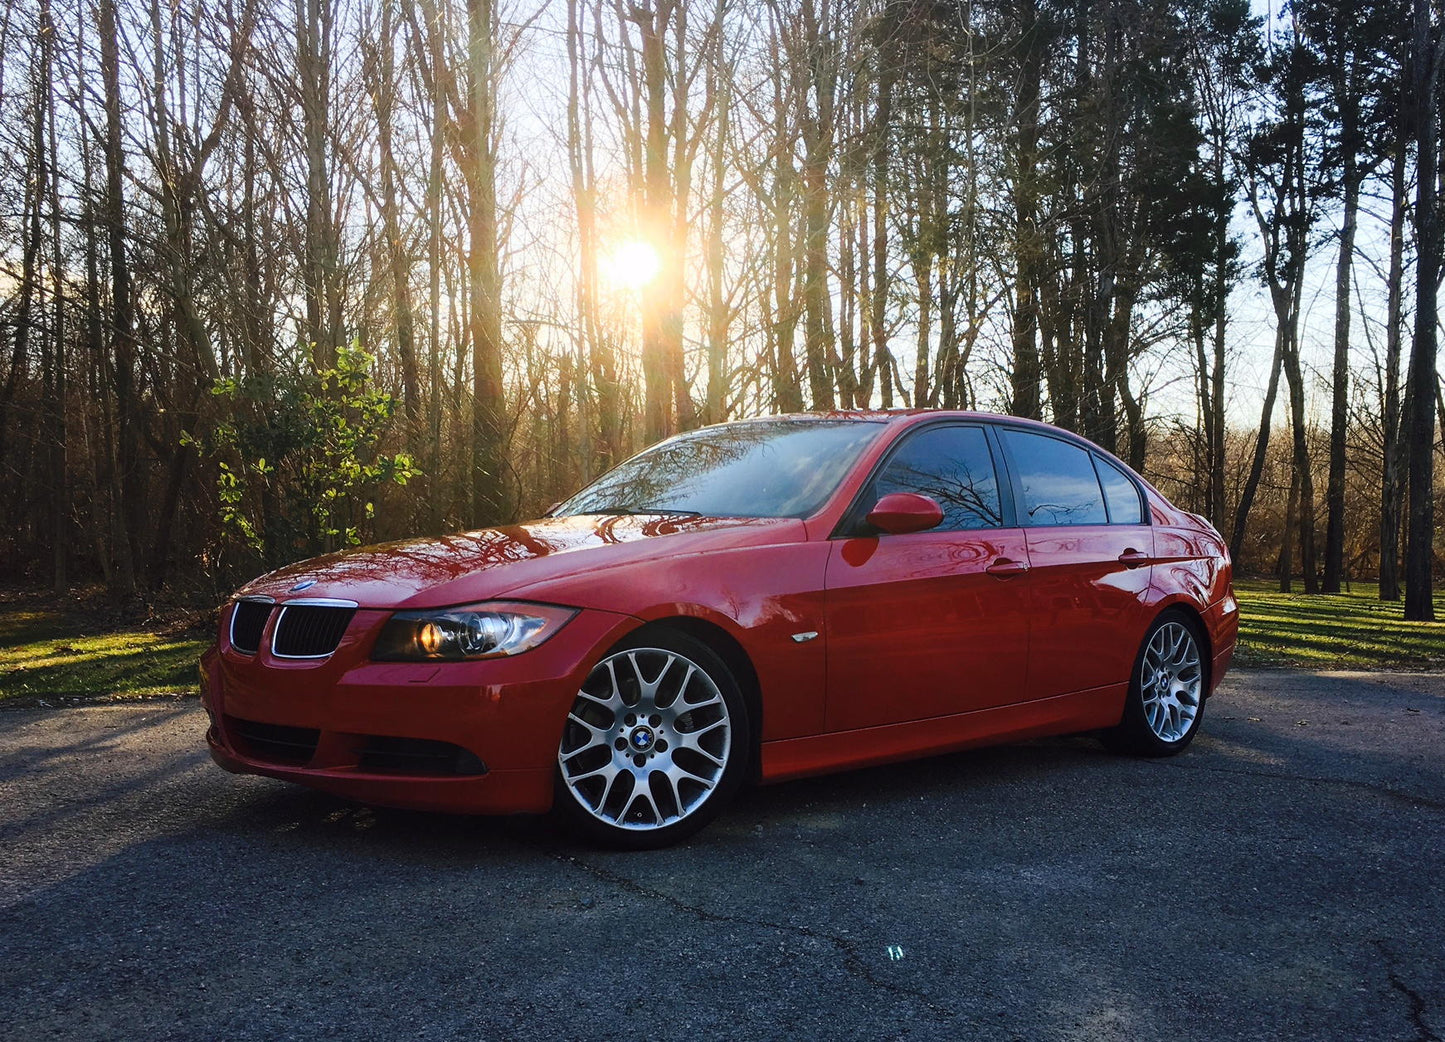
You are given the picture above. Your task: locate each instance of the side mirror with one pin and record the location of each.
(900, 512)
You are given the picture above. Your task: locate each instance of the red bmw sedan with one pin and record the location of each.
(760, 601)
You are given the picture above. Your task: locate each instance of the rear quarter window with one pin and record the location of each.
(1121, 495)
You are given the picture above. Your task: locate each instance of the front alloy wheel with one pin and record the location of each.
(653, 744)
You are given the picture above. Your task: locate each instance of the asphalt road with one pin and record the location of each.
(1281, 880)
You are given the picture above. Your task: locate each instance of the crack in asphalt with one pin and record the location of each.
(852, 958)
(1417, 1008)
(1373, 787)
(1417, 1003)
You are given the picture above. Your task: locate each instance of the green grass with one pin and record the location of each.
(50, 656)
(1353, 630)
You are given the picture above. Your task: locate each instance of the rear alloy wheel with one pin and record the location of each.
(1166, 694)
(654, 744)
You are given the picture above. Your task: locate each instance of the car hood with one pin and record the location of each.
(488, 563)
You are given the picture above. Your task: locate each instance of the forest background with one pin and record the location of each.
(276, 278)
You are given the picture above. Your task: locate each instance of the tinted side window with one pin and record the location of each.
(952, 465)
(1120, 494)
(1059, 484)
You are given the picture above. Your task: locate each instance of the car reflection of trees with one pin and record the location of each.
(658, 478)
(434, 560)
(968, 501)
(1057, 513)
(1083, 507)
(753, 469)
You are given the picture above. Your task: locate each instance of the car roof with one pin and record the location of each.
(899, 417)
(910, 417)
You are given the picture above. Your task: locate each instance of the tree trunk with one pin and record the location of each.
(818, 130)
(599, 348)
(1216, 400)
(1025, 376)
(1284, 566)
(1261, 447)
(882, 282)
(313, 56)
(1339, 411)
(127, 486)
(58, 463)
(434, 479)
(489, 496)
(1420, 436)
(100, 449)
(383, 94)
(785, 262)
(923, 276)
(25, 318)
(658, 324)
(1302, 465)
(1391, 480)
(715, 409)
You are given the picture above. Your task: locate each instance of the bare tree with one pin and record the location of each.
(1428, 55)
(1283, 202)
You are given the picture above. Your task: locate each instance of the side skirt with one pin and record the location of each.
(1090, 710)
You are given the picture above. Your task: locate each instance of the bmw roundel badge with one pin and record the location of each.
(304, 584)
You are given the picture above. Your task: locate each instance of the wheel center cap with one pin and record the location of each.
(642, 739)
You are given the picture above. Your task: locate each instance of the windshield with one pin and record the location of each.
(763, 468)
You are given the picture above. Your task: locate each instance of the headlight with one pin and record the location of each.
(479, 631)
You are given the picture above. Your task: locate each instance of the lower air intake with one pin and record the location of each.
(273, 743)
(419, 756)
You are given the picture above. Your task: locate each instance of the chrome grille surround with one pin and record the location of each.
(249, 616)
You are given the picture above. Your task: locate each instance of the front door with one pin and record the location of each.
(928, 624)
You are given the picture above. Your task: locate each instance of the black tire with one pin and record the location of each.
(1167, 689)
(655, 744)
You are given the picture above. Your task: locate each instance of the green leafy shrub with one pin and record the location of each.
(297, 460)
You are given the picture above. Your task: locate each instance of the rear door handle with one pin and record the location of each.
(1004, 568)
(1132, 558)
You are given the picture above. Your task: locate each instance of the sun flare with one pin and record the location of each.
(632, 265)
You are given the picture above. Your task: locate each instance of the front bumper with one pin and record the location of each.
(468, 737)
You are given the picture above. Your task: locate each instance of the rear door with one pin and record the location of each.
(927, 624)
(1090, 554)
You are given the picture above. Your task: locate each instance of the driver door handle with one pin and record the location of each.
(1005, 568)
(1132, 558)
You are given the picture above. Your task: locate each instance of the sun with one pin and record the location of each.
(632, 265)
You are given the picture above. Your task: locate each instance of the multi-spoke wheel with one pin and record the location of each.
(1166, 693)
(654, 743)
